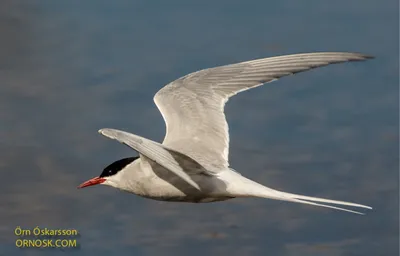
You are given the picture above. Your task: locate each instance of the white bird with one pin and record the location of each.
(191, 165)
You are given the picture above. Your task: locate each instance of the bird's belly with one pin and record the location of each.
(155, 182)
(188, 199)
(161, 190)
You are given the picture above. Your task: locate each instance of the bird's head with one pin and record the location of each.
(111, 175)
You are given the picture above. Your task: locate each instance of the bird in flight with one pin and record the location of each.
(191, 164)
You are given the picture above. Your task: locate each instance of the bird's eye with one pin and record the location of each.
(117, 166)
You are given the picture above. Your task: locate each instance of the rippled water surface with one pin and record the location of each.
(69, 68)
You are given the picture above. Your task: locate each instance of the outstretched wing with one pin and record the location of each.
(160, 154)
(193, 106)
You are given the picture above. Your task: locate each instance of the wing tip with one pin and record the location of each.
(362, 56)
(366, 56)
(354, 54)
(108, 132)
(103, 131)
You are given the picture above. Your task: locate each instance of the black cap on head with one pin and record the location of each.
(117, 166)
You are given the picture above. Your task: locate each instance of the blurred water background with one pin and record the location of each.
(69, 68)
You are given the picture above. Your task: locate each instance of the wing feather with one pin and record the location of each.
(152, 150)
(193, 106)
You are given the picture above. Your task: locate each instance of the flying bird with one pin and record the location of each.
(191, 164)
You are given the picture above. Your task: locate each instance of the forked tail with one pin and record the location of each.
(240, 186)
(284, 196)
(254, 189)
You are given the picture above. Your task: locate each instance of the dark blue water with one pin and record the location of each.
(69, 68)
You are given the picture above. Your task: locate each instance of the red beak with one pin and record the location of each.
(91, 182)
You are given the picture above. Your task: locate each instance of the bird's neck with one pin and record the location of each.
(131, 179)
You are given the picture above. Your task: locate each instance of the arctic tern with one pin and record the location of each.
(191, 164)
